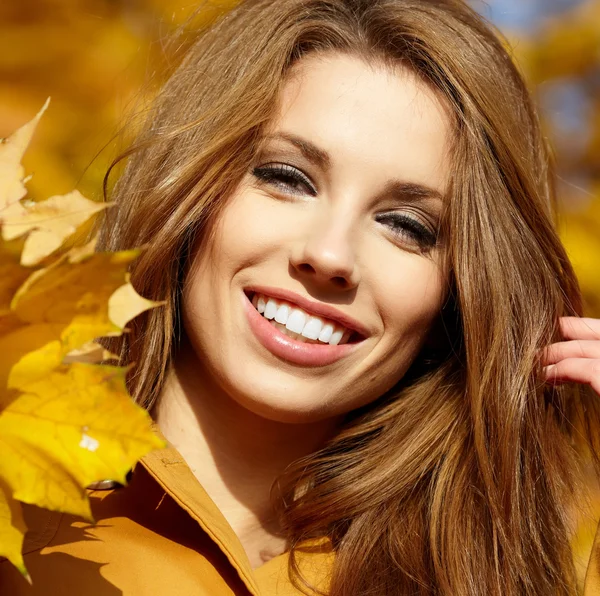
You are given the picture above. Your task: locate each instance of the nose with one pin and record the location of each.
(327, 257)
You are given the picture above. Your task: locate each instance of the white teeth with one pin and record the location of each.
(297, 324)
(296, 321)
(291, 334)
(282, 314)
(312, 328)
(336, 336)
(270, 309)
(326, 333)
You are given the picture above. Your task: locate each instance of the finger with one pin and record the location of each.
(575, 370)
(580, 328)
(576, 348)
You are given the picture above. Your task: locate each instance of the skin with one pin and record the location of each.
(577, 359)
(328, 247)
(238, 414)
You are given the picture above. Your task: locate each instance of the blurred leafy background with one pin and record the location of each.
(93, 57)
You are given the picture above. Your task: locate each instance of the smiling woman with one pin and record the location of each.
(348, 208)
(328, 230)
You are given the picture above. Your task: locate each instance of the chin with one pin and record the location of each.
(284, 401)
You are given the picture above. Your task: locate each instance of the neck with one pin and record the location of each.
(235, 454)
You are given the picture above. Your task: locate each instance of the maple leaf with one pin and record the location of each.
(12, 174)
(90, 352)
(12, 529)
(66, 305)
(75, 426)
(66, 418)
(48, 222)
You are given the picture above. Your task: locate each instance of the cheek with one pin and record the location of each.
(410, 298)
(242, 232)
(249, 230)
(251, 227)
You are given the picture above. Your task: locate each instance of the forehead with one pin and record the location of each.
(368, 115)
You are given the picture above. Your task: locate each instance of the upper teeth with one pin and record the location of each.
(298, 321)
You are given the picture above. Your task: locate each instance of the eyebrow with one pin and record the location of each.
(412, 190)
(310, 151)
(396, 188)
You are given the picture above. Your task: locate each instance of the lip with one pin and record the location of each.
(316, 308)
(288, 349)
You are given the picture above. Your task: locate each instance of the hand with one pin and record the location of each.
(576, 360)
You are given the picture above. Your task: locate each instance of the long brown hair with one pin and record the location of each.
(456, 482)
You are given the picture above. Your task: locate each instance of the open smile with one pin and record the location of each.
(298, 330)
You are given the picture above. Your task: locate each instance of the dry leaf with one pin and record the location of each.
(58, 309)
(76, 426)
(11, 153)
(12, 529)
(125, 304)
(49, 223)
(64, 424)
(90, 353)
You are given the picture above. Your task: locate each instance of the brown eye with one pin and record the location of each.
(286, 178)
(408, 228)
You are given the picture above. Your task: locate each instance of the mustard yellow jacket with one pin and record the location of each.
(146, 542)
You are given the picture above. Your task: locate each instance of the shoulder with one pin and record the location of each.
(142, 543)
(314, 559)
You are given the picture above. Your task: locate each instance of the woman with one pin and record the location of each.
(348, 207)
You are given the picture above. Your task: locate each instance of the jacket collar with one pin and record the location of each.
(170, 470)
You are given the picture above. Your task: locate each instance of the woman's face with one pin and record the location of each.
(333, 234)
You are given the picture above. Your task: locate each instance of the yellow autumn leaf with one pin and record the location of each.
(90, 353)
(73, 287)
(76, 426)
(12, 275)
(48, 223)
(125, 304)
(64, 307)
(34, 348)
(12, 529)
(12, 149)
(59, 309)
(64, 423)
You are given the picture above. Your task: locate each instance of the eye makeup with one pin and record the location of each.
(409, 228)
(285, 178)
(405, 227)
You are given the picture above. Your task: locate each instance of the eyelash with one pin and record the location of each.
(287, 178)
(284, 177)
(409, 228)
